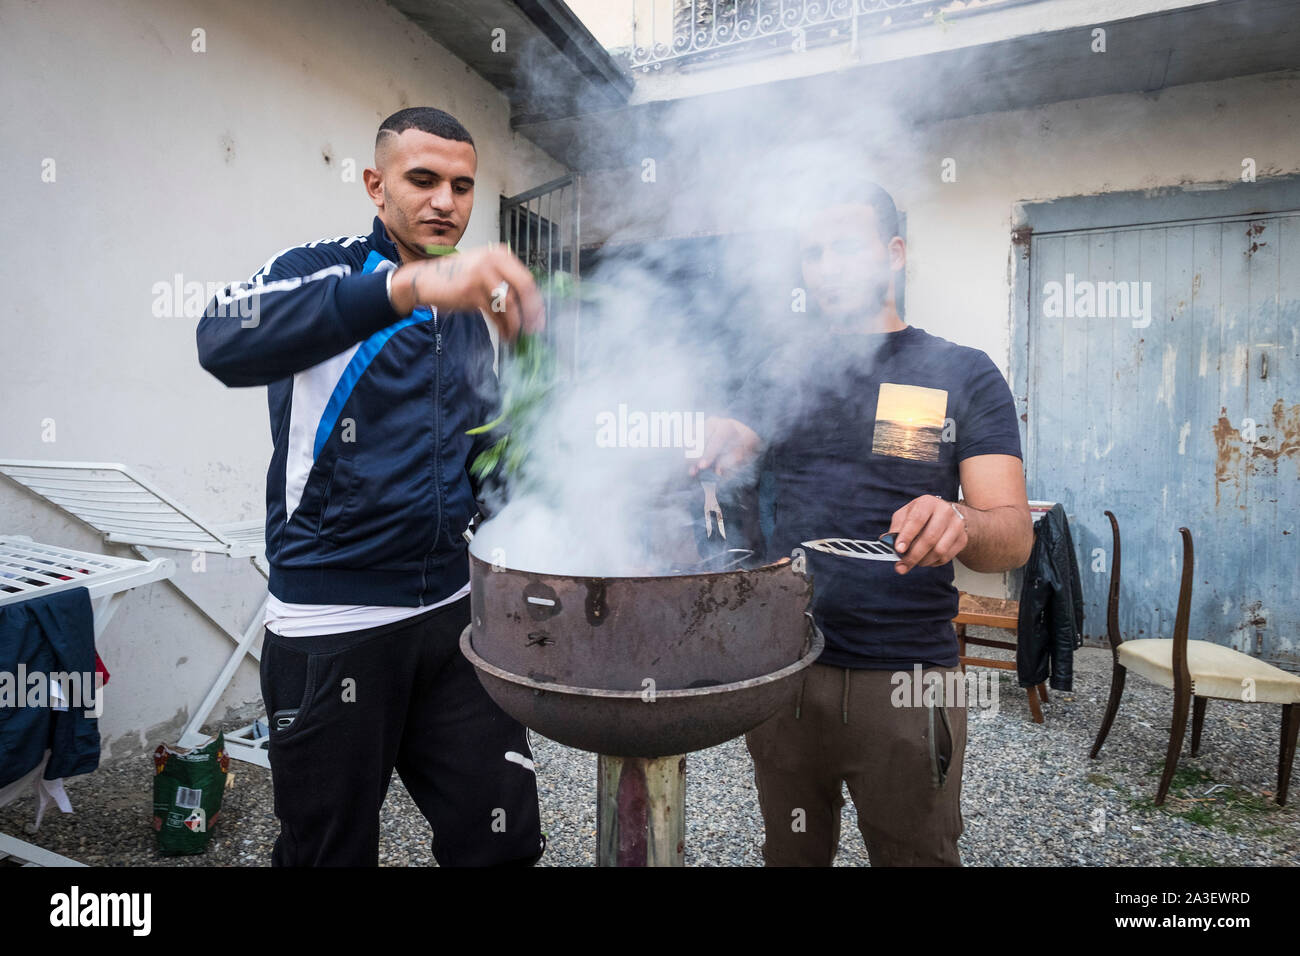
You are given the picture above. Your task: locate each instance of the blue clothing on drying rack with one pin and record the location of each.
(49, 635)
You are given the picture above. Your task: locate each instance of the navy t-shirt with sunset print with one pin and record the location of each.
(858, 425)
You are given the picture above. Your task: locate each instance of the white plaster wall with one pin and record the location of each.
(204, 164)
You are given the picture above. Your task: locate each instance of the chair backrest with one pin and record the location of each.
(1112, 603)
(1182, 675)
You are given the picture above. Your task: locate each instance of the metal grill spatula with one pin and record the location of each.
(882, 549)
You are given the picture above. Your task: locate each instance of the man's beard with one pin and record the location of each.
(400, 229)
(409, 238)
(853, 319)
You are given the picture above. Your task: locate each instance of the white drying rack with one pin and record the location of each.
(128, 509)
(29, 569)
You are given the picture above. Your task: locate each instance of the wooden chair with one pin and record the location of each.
(993, 612)
(1196, 671)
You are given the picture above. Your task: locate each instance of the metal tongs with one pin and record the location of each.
(712, 510)
(882, 549)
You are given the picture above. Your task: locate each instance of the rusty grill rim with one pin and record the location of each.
(585, 578)
(817, 643)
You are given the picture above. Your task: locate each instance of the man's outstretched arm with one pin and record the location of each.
(299, 311)
(304, 308)
(998, 522)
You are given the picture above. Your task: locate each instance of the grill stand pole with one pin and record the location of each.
(641, 811)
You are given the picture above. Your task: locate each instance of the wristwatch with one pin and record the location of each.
(388, 284)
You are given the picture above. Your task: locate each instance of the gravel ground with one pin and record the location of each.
(1030, 796)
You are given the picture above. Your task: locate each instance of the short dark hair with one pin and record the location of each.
(875, 196)
(427, 120)
(850, 185)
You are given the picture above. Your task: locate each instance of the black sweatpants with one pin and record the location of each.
(401, 696)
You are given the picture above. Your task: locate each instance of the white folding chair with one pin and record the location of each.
(128, 509)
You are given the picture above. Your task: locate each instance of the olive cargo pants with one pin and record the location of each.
(846, 728)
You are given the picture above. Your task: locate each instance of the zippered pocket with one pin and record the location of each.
(325, 500)
(337, 501)
(941, 743)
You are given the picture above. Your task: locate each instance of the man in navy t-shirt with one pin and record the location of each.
(869, 425)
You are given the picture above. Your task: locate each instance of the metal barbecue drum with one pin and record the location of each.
(640, 669)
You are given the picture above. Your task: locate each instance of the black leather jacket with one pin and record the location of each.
(1051, 607)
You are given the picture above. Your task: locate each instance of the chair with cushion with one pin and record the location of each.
(1196, 671)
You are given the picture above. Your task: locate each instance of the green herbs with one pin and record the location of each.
(528, 374)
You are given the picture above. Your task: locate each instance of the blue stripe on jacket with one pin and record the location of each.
(361, 360)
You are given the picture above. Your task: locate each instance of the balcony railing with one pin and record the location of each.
(667, 31)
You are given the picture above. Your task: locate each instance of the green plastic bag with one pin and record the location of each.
(187, 790)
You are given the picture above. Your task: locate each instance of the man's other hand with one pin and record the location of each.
(728, 446)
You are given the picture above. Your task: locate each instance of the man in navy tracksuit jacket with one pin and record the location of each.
(377, 360)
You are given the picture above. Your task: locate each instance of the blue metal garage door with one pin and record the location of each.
(1162, 381)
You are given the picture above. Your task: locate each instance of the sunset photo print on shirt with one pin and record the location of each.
(909, 421)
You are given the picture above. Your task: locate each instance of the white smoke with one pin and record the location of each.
(749, 164)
